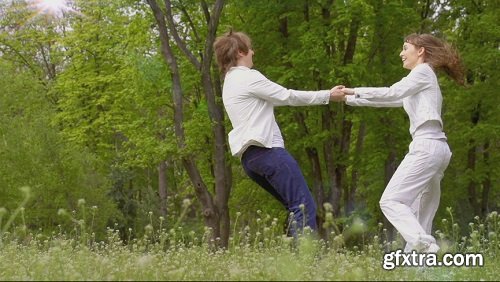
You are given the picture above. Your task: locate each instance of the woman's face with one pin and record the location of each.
(411, 55)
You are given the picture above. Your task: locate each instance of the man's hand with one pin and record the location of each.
(336, 94)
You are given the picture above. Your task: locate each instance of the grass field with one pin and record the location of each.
(65, 259)
(258, 254)
(174, 255)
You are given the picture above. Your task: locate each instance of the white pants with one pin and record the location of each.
(411, 198)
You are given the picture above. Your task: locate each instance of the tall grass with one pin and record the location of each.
(258, 253)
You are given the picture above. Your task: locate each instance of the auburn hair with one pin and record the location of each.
(439, 54)
(227, 46)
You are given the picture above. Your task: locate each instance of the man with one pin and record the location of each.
(249, 99)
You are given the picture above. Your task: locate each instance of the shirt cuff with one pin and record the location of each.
(350, 99)
(326, 98)
(359, 93)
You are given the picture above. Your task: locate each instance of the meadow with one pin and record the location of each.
(260, 252)
(94, 105)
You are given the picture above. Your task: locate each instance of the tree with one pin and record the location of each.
(215, 211)
(34, 154)
(472, 115)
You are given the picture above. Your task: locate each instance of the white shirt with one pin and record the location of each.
(249, 99)
(418, 93)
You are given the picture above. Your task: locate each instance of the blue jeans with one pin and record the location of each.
(275, 170)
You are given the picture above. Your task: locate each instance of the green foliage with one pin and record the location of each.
(35, 155)
(87, 113)
(248, 196)
(470, 114)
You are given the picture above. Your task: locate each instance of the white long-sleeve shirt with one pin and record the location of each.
(249, 99)
(418, 93)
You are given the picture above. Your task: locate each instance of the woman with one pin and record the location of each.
(249, 99)
(411, 198)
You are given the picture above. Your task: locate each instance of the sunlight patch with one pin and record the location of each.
(55, 8)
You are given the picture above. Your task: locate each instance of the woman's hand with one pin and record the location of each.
(348, 91)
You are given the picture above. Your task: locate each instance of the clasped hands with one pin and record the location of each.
(339, 92)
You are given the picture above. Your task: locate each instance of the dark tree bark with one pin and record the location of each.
(222, 169)
(314, 160)
(334, 192)
(345, 138)
(390, 167)
(472, 187)
(162, 187)
(210, 211)
(358, 151)
(471, 165)
(486, 182)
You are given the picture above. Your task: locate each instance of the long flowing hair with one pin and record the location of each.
(440, 55)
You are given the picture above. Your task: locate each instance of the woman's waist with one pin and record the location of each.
(430, 129)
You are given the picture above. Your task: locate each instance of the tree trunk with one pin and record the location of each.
(335, 192)
(486, 182)
(472, 187)
(317, 188)
(162, 187)
(342, 165)
(351, 42)
(471, 164)
(390, 167)
(222, 170)
(347, 124)
(210, 213)
(350, 205)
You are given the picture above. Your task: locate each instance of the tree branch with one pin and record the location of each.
(178, 41)
(212, 30)
(25, 62)
(49, 66)
(190, 21)
(204, 7)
